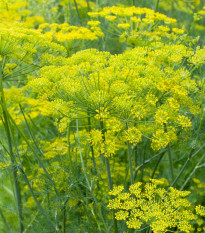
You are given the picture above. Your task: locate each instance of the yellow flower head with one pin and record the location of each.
(154, 206)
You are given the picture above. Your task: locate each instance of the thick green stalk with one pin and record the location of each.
(86, 177)
(160, 158)
(129, 152)
(71, 167)
(97, 3)
(91, 146)
(107, 163)
(201, 165)
(170, 161)
(64, 214)
(88, 5)
(5, 222)
(81, 156)
(142, 167)
(157, 5)
(135, 156)
(170, 156)
(77, 10)
(69, 151)
(157, 164)
(56, 221)
(12, 157)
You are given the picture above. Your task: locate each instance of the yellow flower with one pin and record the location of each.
(116, 190)
(160, 140)
(121, 215)
(184, 122)
(123, 25)
(134, 223)
(110, 17)
(93, 23)
(133, 135)
(154, 206)
(178, 31)
(135, 19)
(200, 210)
(161, 116)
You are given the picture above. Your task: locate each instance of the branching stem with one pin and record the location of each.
(11, 154)
(129, 152)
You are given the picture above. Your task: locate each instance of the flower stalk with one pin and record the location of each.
(129, 152)
(7, 128)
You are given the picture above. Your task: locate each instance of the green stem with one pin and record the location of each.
(42, 165)
(186, 164)
(77, 10)
(88, 5)
(81, 156)
(91, 146)
(192, 173)
(12, 157)
(157, 164)
(181, 172)
(142, 167)
(85, 174)
(22, 171)
(34, 197)
(170, 161)
(202, 165)
(69, 149)
(37, 157)
(56, 221)
(5, 222)
(170, 156)
(135, 156)
(129, 152)
(64, 214)
(107, 163)
(146, 162)
(157, 5)
(97, 3)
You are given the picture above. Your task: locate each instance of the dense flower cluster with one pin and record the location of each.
(92, 100)
(154, 206)
(140, 26)
(71, 36)
(132, 87)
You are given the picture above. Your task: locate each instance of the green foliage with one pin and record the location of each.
(97, 97)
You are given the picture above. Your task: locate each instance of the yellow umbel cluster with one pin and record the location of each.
(151, 205)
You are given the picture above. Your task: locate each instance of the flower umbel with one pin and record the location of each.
(151, 205)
